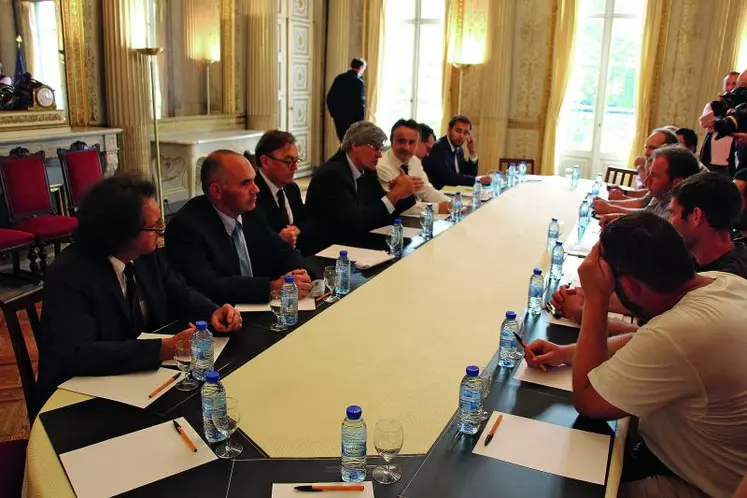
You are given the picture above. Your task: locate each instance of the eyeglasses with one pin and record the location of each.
(159, 227)
(375, 149)
(288, 161)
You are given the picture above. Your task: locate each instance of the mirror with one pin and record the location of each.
(31, 54)
(189, 71)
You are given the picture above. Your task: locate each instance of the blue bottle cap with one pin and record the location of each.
(212, 376)
(511, 315)
(537, 271)
(397, 221)
(473, 371)
(343, 253)
(289, 279)
(558, 243)
(554, 219)
(201, 325)
(354, 412)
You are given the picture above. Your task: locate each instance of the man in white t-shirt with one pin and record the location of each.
(682, 374)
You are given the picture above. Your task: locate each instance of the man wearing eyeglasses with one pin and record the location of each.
(345, 197)
(225, 248)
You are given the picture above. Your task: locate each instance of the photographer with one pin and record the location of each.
(718, 155)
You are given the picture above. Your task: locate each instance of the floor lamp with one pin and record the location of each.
(151, 53)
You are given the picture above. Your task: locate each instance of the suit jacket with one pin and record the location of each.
(439, 166)
(344, 214)
(85, 324)
(199, 248)
(346, 99)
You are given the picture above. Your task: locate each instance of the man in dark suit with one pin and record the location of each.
(111, 285)
(446, 164)
(225, 249)
(346, 99)
(345, 197)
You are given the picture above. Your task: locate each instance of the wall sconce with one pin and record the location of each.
(468, 37)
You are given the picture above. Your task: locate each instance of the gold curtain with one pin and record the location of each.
(373, 49)
(8, 39)
(653, 50)
(28, 28)
(339, 53)
(448, 101)
(262, 68)
(562, 61)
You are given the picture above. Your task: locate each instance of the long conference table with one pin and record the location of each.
(397, 346)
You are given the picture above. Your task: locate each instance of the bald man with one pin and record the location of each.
(222, 247)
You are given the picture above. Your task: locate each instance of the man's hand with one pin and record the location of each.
(707, 120)
(608, 218)
(168, 345)
(596, 277)
(301, 279)
(486, 180)
(548, 353)
(615, 195)
(471, 145)
(403, 186)
(226, 319)
(602, 207)
(290, 235)
(569, 302)
(444, 207)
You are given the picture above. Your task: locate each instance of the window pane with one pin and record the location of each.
(395, 100)
(429, 75)
(619, 121)
(592, 7)
(630, 7)
(403, 9)
(432, 9)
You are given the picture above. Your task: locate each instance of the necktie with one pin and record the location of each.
(358, 183)
(405, 169)
(245, 265)
(283, 210)
(133, 300)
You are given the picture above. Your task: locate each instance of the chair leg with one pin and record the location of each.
(22, 360)
(43, 259)
(33, 263)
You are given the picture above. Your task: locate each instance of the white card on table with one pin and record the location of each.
(556, 377)
(131, 389)
(218, 344)
(306, 304)
(286, 490)
(565, 322)
(408, 232)
(252, 308)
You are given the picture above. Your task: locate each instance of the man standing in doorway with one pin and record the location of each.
(346, 99)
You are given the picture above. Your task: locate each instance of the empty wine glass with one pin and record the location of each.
(183, 360)
(487, 382)
(388, 440)
(330, 281)
(226, 420)
(391, 242)
(277, 310)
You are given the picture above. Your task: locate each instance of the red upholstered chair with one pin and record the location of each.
(14, 242)
(81, 168)
(29, 203)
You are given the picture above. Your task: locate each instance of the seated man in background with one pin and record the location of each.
(427, 141)
(405, 138)
(279, 197)
(688, 139)
(447, 163)
(111, 285)
(672, 373)
(345, 198)
(225, 249)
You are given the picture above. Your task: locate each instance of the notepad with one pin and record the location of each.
(218, 344)
(547, 448)
(407, 231)
(451, 190)
(306, 304)
(127, 462)
(556, 377)
(565, 322)
(363, 258)
(287, 491)
(131, 389)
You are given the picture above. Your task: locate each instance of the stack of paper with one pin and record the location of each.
(305, 304)
(219, 343)
(132, 389)
(407, 231)
(557, 377)
(363, 258)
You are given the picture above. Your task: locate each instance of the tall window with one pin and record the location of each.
(47, 60)
(412, 63)
(597, 120)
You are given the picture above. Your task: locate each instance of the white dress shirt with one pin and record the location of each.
(119, 268)
(230, 225)
(357, 174)
(388, 169)
(471, 159)
(720, 149)
(274, 189)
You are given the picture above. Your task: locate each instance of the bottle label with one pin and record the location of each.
(354, 450)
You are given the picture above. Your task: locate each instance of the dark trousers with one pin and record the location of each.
(639, 463)
(723, 170)
(341, 126)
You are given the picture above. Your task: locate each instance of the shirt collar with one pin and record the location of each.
(119, 266)
(390, 159)
(274, 189)
(450, 144)
(356, 172)
(228, 223)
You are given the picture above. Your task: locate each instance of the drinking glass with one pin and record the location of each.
(277, 309)
(330, 280)
(487, 382)
(226, 420)
(388, 440)
(183, 360)
(391, 242)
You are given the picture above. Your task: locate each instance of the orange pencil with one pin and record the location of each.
(492, 429)
(531, 353)
(323, 297)
(316, 487)
(164, 385)
(184, 436)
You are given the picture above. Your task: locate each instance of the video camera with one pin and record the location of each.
(731, 111)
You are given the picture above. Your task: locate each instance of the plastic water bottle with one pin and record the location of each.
(512, 175)
(508, 341)
(213, 396)
(496, 184)
(584, 216)
(558, 255)
(456, 207)
(289, 301)
(553, 232)
(476, 194)
(536, 292)
(522, 171)
(202, 351)
(426, 221)
(398, 238)
(470, 401)
(575, 176)
(597, 186)
(342, 270)
(353, 465)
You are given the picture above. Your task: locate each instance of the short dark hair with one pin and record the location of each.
(714, 194)
(357, 63)
(111, 214)
(681, 163)
(691, 138)
(211, 165)
(271, 141)
(460, 118)
(407, 123)
(426, 132)
(648, 248)
(731, 73)
(670, 138)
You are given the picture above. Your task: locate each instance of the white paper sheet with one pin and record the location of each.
(409, 232)
(363, 258)
(582, 248)
(287, 491)
(133, 460)
(556, 377)
(218, 344)
(415, 214)
(306, 304)
(570, 323)
(547, 447)
(132, 389)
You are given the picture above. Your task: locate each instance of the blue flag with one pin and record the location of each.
(20, 67)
